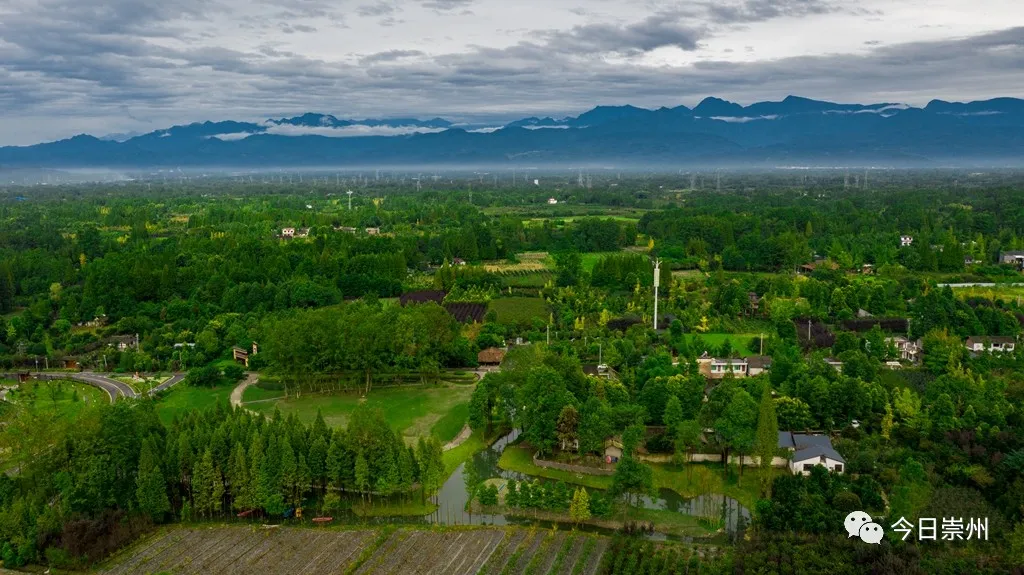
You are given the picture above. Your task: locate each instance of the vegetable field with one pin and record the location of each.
(252, 549)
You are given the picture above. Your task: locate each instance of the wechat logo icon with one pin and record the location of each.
(859, 524)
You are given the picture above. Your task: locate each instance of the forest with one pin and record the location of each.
(857, 335)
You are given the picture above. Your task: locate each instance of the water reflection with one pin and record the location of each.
(453, 496)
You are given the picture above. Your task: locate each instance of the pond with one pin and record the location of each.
(454, 495)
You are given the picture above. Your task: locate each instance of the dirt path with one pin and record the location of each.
(236, 394)
(459, 439)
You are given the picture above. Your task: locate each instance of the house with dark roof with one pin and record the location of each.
(809, 450)
(758, 364)
(990, 343)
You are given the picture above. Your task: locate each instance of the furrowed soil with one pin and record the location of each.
(216, 550)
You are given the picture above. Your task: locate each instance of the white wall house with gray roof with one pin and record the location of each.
(810, 450)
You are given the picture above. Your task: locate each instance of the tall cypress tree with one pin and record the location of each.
(238, 478)
(151, 489)
(767, 438)
(6, 288)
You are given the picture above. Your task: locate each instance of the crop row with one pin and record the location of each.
(216, 550)
(280, 550)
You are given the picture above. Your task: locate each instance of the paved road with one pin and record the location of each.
(175, 379)
(113, 387)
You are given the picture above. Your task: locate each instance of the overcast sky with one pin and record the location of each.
(106, 66)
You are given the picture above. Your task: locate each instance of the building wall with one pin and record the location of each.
(797, 467)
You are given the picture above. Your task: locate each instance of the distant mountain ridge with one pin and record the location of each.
(794, 130)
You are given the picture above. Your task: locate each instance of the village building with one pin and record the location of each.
(1012, 257)
(908, 350)
(819, 264)
(758, 364)
(906, 241)
(835, 363)
(124, 342)
(714, 368)
(490, 357)
(809, 450)
(990, 343)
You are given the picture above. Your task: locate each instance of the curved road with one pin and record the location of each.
(113, 387)
(175, 379)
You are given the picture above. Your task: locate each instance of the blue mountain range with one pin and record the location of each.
(793, 131)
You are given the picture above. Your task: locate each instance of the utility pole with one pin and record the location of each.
(762, 345)
(657, 282)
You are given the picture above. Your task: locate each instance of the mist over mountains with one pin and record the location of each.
(794, 131)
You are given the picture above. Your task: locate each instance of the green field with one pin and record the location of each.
(519, 309)
(257, 393)
(64, 398)
(1004, 292)
(741, 342)
(453, 457)
(183, 397)
(590, 259)
(413, 411)
(527, 279)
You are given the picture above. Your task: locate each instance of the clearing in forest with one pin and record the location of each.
(413, 411)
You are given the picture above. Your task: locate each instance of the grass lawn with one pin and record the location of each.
(453, 457)
(63, 398)
(184, 397)
(411, 508)
(451, 423)
(257, 393)
(688, 481)
(740, 342)
(413, 411)
(519, 309)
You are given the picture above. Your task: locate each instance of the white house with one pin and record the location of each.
(552, 201)
(906, 241)
(715, 368)
(810, 450)
(990, 343)
(287, 232)
(758, 364)
(908, 350)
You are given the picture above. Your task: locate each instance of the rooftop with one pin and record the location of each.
(808, 446)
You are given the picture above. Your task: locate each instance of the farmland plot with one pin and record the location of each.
(217, 550)
(250, 549)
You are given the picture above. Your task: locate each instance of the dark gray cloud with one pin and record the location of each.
(447, 5)
(747, 11)
(377, 9)
(389, 56)
(655, 31)
(83, 65)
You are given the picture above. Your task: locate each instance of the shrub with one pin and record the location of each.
(234, 372)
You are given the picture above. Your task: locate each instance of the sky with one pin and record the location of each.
(119, 66)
